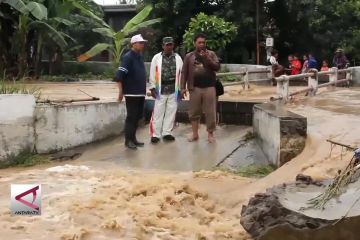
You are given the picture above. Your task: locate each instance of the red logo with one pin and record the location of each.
(29, 204)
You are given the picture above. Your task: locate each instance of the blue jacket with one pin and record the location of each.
(132, 74)
(312, 63)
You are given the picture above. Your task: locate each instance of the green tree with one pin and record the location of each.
(176, 15)
(219, 32)
(62, 15)
(39, 24)
(119, 39)
(32, 15)
(316, 26)
(242, 14)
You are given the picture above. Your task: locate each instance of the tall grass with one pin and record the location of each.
(18, 88)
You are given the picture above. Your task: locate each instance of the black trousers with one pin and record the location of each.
(135, 109)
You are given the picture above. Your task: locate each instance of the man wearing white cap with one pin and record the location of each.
(131, 79)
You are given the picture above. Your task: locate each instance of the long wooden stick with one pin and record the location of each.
(341, 144)
(70, 100)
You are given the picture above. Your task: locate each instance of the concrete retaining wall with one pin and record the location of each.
(25, 126)
(16, 124)
(236, 113)
(62, 127)
(281, 134)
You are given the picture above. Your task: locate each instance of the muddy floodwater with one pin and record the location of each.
(170, 191)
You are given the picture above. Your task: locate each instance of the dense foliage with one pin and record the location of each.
(298, 26)
(55, 30)
(218, 31)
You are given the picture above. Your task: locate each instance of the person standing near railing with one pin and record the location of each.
(325, 66)
(305, 67)
(312, 62)
(277, 69)
(340, 61)
(295, 66)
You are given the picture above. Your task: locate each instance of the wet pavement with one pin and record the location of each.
(179, 155)
(342, 100)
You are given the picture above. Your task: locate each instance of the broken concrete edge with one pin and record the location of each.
(265, 218)
(281, 134)
(264, 211)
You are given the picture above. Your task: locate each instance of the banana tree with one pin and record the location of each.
(43, 21)
(33, 16)
(119, 39)
(59, 12)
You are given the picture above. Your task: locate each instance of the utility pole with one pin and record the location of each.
(257, 34)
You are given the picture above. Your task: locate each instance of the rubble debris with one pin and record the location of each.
(65, 155)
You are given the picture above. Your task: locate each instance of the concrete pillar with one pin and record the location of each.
(246, 80)
(333, 76)
(270, 73)
(313, 82)
(348, 77)
(355, 76)
(282, 88)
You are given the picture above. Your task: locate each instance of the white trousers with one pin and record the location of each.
(163, 117)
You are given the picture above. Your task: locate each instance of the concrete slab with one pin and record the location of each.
(249, 153)
(180, 155)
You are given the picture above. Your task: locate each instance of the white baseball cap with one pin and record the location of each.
(137, 38)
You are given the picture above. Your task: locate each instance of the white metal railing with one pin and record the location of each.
(282, 83)
(245, 77)
(282, 87)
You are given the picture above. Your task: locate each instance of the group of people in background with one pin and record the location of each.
(296, 66)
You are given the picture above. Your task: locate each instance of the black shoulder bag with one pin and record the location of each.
(219, 88)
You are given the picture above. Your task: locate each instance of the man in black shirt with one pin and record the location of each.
(131, 78)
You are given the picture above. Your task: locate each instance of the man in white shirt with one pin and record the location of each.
(165, 75)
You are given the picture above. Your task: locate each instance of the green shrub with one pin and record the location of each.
(24, 159)
(255, 171)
